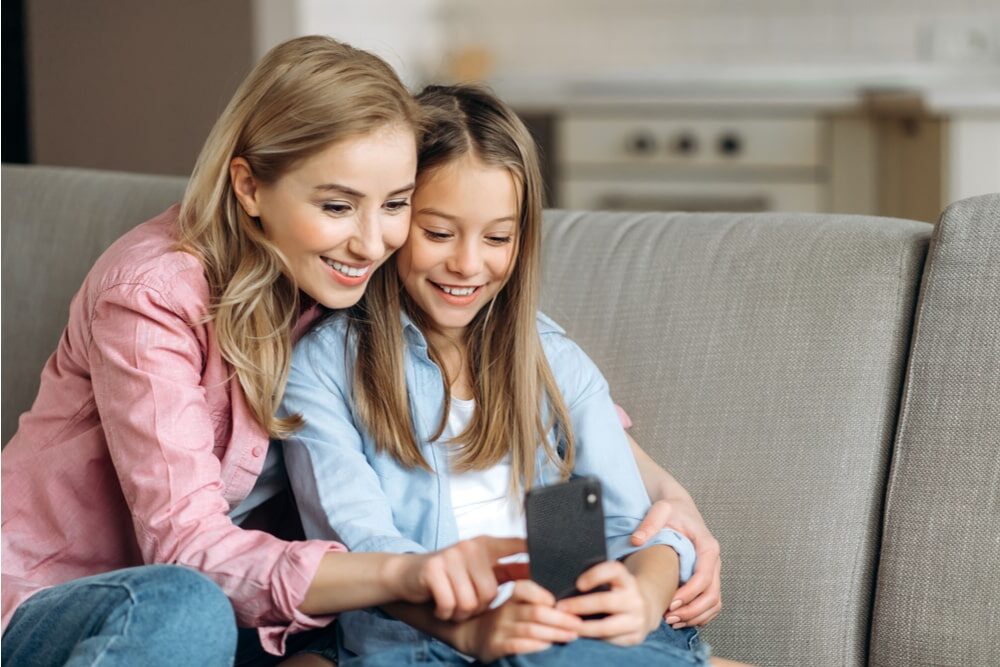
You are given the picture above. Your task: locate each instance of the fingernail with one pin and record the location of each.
(641, 534)
(673, 619)
(676, 603)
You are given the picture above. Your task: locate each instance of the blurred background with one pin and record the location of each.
(887, 107)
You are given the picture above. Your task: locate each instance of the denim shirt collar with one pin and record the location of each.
(415, 337)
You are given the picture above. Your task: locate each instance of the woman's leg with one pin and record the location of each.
(150, 615)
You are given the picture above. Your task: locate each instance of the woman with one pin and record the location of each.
(149, 435)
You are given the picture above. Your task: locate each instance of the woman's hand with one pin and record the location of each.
(459, 580)
(700, 599)
(630, 614)
(528, 622)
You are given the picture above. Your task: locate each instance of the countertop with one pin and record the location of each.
(943, 89)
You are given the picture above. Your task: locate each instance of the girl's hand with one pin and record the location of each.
(630, 615)
(526, 623)
(459, 580)
(700, 599)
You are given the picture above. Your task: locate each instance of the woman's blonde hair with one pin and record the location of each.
(517, 400)
(304, 95)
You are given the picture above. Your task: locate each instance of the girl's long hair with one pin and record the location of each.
(303, 96)
(517, 400)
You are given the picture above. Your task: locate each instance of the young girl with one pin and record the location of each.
(147, 444)
(434, 403)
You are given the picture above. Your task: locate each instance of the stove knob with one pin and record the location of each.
(642, 142)
(685, 143)
(730, 144)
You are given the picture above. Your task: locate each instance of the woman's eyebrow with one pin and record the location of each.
(360, 195)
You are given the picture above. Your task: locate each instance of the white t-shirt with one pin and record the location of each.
(481, 498)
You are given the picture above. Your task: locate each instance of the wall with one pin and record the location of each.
(132, 86)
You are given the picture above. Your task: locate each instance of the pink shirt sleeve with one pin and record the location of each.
(146, 363)
(623, 417)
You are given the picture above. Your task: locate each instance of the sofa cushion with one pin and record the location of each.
(56, 222)
(761, 357)
(940, 563)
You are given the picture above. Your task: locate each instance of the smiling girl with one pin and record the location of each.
(435, 402)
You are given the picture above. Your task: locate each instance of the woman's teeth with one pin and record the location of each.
(457, 291)
(350, 271)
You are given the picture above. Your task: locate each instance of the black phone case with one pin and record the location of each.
(565, 533)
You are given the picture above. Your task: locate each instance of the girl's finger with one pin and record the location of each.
(609, 626)
(442, 593)
(526, 590)
(484, 581)
(514, 646)
(609, 572)
(609, 602)
(549, 616)
(541, 632)
(655, 520)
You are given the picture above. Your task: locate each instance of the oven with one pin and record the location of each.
(688, 161)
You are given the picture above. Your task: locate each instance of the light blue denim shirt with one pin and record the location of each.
(348, 491)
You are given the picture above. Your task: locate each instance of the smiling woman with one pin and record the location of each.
(147, 440)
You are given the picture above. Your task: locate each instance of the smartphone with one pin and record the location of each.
(565, 533)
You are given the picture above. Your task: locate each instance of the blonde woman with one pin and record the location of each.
(148, 438)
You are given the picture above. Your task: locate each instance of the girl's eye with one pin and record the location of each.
(499, 240)
(336, 207)
(397, 205)
(437, 236)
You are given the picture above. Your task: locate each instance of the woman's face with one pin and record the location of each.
(338, 215)
(461, 244)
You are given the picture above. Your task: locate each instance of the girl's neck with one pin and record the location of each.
(451, 353)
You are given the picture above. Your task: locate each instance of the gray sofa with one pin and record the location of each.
(827, 387)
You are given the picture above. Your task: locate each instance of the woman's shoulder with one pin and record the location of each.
(148, 258)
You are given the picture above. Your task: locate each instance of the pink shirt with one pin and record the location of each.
(139, 444)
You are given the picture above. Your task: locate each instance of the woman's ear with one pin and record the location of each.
(244, 185)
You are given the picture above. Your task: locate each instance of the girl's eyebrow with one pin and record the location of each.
(360, 195)
(452, 218)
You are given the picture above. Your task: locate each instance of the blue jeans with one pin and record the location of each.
(664, 647)
(151, 615)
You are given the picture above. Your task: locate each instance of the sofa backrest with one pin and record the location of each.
(761, 357)
(56, 222)
(938, 593)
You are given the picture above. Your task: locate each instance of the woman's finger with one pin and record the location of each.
(702, 619)
(549, 616)
(466, 601)
(707, 577)
(514, 646)
(656, 519)
(709, 597)
(439, 585)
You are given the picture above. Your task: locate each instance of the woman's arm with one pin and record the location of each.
(699, 600)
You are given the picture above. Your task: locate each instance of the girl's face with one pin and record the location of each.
(338, 215)
(461, 244)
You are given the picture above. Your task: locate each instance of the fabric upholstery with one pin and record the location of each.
(56, 222)
(761, 358)
(938, 594)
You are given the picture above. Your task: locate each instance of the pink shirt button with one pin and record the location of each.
(257, 451)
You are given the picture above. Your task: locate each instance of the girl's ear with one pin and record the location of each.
(244, 185)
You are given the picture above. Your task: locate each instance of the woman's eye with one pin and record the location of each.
(336, 207)
(397, 205)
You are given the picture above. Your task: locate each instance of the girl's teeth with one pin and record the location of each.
(349, 271)
(458, 291)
